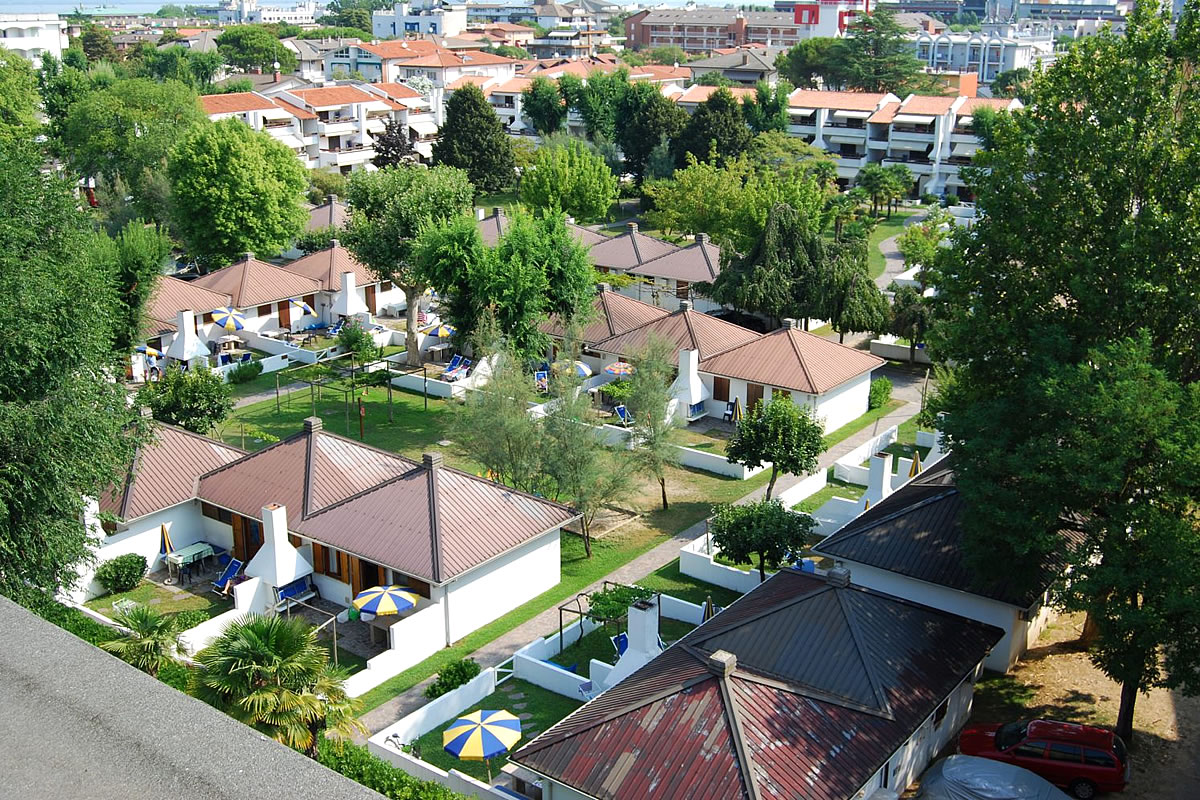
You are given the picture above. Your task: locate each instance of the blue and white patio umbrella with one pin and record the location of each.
(229, 318)
(302, 307)
(582, 370)
(482, 735)
(148, 350)
(386, 600)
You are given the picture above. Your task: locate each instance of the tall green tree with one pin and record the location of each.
(197, 399)
(570, 278)
(767, 110)
(520, 287)
(18, 97)
(272, 674)
(543, 105)
(717, 129)
(875, 180)
(97, 44)
(59, 86)
(391, 206)
(898, 186)
(650, 403)
(920, 242)
(910, 317)
(597, 100)
(137, 256)
(1071, 313)
(235, 190)
(850, 300)
(393, 146)
(818, 58)
(645, 118)
(570, 178)
(66, 431)
(764, 529)
(779, 433)
(453, 259)
(472, 139)
(150, 641)
(254, 47)
(128, 129)
(876, 56)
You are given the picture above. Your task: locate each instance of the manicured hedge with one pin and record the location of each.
(357, 764)
(69, 619)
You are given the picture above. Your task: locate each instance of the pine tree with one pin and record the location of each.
(472, 139)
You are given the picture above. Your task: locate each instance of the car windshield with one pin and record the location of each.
(1010, 734)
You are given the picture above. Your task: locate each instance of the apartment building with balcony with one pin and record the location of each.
(931, 135)
(986, 53)
(414, 111)
(289, 124)
(392, 62)
(33, 35)
(422, 16)
(347, 118)
(703, 30)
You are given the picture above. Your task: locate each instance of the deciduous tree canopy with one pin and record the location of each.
(472, 139)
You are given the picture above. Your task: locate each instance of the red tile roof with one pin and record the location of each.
(478, 80)
(402, 48)
(493, 226)
(996, 103)
(328, 215)
(927, 104)
(398, 91)
(685, 329)
(787, 719)
(334, 96)
(885, 114)
(171, 295)
(792, 359)
(844, 101)
(251, 282)
(235, 102)
(628, 250)
(295, 110)
(699, 93)
(446, 58)
(164, 472)
(327, 266)
(612, 313)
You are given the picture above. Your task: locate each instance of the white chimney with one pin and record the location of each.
(479, 214)
(879, 479)
(643, 641)
(347, 303)
(277, 562)
(187, 344)
(688, 388)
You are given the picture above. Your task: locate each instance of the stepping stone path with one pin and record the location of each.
(519, 706)
(517, 695)
(153, 601)
(524, 715)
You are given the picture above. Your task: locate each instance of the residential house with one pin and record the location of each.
(34, 35)
(612, 314)
(262, 292)
(512, 11)
(330, 268)
(249, 12)
(744, 67)
(347, 120)
(311, 55)
(641, 256)
(691, 97)
(569, 43)
(986, 53)
(559, 15)
(505, 33)
(333, 213)
(415, 112)
(493, 226)
(290, 125)
(805, 687)
(422, 16)
(402, 60)
(703, 30)
(911, 543)
(169, 297)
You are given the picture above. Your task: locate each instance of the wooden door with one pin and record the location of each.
(754, 395)
(370, 292)
(239, 543)
(285, 314)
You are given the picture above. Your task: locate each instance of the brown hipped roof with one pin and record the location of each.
(612, 313)
(698, 93)
(686, 330)
(630, 249)
(697, 262)
(235, 102)
(251, 282)
(164, 472)
(494, 225)
(401, 48)
(330, 214)
(327, 266)
(171, 295)
(820, 684)
(792, 359)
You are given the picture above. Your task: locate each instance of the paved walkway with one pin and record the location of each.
(905, 387)
(269, 394)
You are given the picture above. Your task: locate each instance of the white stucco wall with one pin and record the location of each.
(499, 586)
(844, 403)
(1006, 651)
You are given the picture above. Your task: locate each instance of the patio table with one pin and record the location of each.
(188, 555)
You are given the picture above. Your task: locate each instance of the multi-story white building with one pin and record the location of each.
(984, 53)
(245, 12)
(512, 11)
(347, 120)
(930, 135)
(311, 55)
(33, 35)
(422, 16)
(402, 60)
(289, 124)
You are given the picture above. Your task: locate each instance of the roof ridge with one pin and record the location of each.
(849, 531)
(771, 609)
(242, 287)
(250, 455)
(509, 489)
(306, 494)
(200, 436)
(363, 492)
(738, 734)
(860, 643)
(637, 251)
(803, 362)
(435, 540)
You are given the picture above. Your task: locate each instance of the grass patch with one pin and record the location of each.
(669, 580)
(598, 645)
(1001, 698)
(260, 383)
(867, 419)
(833, 488)
(350, 662)
(545, 706)
(887, 227)
(163, 600)
(712, 440)
(509, 201)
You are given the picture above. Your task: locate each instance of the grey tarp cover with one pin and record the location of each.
(973, 778)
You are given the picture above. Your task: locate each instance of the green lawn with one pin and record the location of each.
(907, 432)
(165, 600)
(261, 383)
(598, 645)
(545, 708)
(350, 662)
(886, 228)
(506, 200)
(833, 488)
(669, 580)
(869, 418)
(711, 440)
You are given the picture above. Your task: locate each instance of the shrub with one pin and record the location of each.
(452, 677)
(186, 620)
(951, 200)
(881, 392)
(122, 573)
(69, 619)
(357, 764)
(929, 199)
(244, 373)
(614, 603)
(619, 390)
(175, 674)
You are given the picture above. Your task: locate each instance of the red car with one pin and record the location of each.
(1079, 758)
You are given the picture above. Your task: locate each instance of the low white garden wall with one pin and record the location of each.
(452, 780)
(277, 347)
(269, 364)
(695, 560)
(440, 710)
(804, 489)
(413, 639)
(897, 352)
(849, 467)
(716, 464)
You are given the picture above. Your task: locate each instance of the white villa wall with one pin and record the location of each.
(497, 587)
(415, 638)
(993, 612)
(440, 710)
(453, 780)
(332, 589)
(694, 560)
(849, 467)
(887, 347)
(845, 403)
(269, 364)
(807, 487)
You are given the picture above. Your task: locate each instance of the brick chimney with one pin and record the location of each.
(248, 255)
(701, 238)
(331, 198)
(879, 478)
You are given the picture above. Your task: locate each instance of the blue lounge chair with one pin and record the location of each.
(221, 584)
(621, 643)
(541, 381)
(299, 589)
(463, 370)
(245, 358)
(454, 364)
(623, 414)
(587, 691)
(728, 415)
(224, 360)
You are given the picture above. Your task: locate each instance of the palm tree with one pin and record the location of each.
(151, 639)
(902, 182)
(272, 674)
(874, 178)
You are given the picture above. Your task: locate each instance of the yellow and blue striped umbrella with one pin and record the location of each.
(481, 735)
(386, 599)
(301, 306)
(444, 331)
(915, 469)
(620, 368)
(229, 318)
(148, 350)
(165, 545)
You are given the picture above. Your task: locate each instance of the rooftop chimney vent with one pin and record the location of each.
(838, 576)
(313, 424)
(431, 461)
(685, 305)
(791, 324)
(722, 663)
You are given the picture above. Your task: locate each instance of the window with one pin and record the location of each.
(219, 514)
(1064, 752)
(1097, 758)
(207, 318)
(386, 286)
(264, 311)
(1030, 750)
(311, 299)
(333, 563)
(940, 714)
(721, 389)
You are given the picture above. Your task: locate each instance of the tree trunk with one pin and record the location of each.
(586, 530)
(841, 337)
(771, 483)
(1129, 691)
(662, 484)
(1090, 631)
(313, 749)
(762, 569)
(412, 296)
(912, 352)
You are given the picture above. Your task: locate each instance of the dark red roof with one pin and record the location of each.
(829, 681)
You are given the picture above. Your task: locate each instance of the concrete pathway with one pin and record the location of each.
(269, 394)
(905, 387)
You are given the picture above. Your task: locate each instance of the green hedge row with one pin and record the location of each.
(357, 764)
